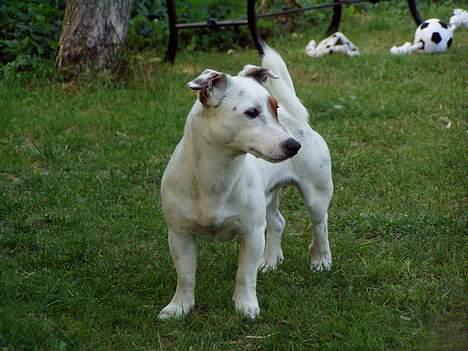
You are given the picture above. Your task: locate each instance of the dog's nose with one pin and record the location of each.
(291, 146)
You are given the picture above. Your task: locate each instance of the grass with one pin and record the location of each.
(83, 251)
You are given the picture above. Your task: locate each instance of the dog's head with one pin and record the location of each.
(241, 115)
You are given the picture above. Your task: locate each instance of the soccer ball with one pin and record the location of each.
(434, 35)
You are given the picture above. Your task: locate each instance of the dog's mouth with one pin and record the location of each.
(258, 154)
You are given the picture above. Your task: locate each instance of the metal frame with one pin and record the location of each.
(418, 19)
(251, 21)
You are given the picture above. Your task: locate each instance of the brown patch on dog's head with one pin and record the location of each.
(260, 74)
(273, 106)
(203, 96)
(211, 86)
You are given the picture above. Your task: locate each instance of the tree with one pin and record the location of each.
(93, 34)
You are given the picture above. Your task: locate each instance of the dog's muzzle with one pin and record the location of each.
(290, 147)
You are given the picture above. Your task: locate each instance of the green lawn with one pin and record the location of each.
(84, 263)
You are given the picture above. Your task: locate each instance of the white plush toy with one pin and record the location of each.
(433, 35)
(336, 43)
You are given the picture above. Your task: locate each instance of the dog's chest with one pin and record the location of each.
(215, 229)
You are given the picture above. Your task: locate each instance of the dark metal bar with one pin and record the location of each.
(226, 23)
(312, 7)
(336, 19)
(252, 19)
(172, 20)
(414, 12)
(212, 24)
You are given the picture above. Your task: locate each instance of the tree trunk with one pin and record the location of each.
(93, 33)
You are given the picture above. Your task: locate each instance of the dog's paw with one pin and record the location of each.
(248, 308)
(320, 264)
(175, 310)
(246, 303)
(271, 262)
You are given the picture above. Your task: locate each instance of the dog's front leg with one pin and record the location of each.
(251, 251)
(183, 251)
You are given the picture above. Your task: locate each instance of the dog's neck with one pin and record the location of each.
(215, 168)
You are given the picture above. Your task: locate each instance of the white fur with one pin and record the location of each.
(224, 178)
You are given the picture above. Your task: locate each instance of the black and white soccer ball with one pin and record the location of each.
(435, 36)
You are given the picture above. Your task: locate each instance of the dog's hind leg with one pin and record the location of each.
(317, 202)
(183, 251)
(273, 255)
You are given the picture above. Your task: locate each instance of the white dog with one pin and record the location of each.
(224, 178)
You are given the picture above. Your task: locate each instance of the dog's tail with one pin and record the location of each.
(283, 88)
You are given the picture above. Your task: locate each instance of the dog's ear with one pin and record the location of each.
(211, 86)
(260, 74)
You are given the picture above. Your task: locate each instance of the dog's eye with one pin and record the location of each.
(252, 112)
